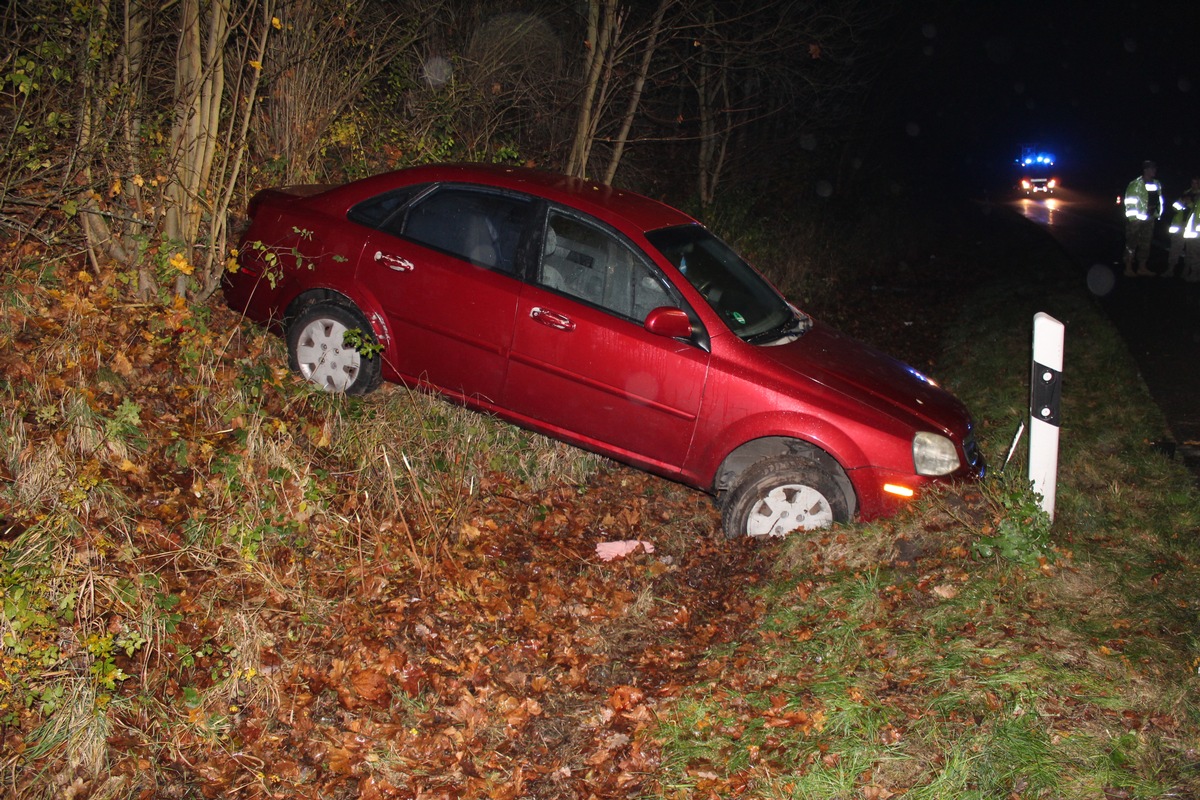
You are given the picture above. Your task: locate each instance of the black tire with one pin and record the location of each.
(317, 350)
(779, 495)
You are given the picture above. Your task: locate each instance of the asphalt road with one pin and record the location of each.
(1158, 317)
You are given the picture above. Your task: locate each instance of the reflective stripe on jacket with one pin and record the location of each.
(1137, 199)
(1183, 209)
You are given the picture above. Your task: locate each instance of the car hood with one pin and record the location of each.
(846, 365)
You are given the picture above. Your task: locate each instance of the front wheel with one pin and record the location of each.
(318, 350)
(780, 495)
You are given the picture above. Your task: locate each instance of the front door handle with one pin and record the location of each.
(398, 263)
(552, 319)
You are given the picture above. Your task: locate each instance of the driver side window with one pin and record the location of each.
(593, 265)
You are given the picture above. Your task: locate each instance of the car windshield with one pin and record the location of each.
(748, 304)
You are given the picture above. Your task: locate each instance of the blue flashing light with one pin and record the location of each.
(1043, 159)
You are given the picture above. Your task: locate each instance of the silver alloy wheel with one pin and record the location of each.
(788, 508)
(323, 357)
(777, 496)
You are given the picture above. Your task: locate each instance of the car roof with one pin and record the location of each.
(605, 202)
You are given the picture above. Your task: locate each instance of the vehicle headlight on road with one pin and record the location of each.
(934, 454)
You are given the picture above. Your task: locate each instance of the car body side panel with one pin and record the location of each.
(450, 321)
(728, 421)
(255, 288)
(874, 502)
(751, 398)
(606, 382)
(288, 249)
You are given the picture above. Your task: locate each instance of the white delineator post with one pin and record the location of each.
(1045, 406)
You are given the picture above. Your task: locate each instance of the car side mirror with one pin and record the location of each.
(669, 321)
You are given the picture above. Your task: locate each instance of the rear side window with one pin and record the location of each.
(484, 228)
(382, 209)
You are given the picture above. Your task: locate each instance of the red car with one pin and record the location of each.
(604, 319)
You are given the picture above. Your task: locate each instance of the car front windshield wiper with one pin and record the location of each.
(796, 325)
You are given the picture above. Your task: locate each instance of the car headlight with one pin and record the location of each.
(934, 454)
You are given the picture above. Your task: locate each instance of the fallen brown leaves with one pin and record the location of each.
(514, 663)
(526, 668)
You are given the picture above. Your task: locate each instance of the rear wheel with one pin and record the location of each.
(780, 495)
(318, 350)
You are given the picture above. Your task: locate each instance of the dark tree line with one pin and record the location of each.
(137, 129)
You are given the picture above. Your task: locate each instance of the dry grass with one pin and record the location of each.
(168, 502)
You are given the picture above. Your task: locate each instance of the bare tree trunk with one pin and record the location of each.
(636, 95)
(199, 88)
(93, 237)
(134, 28)
(704, 102)
(189, 73)
(715, 125)
(233, 153)
(601, 36)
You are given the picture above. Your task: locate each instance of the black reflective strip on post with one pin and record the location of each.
(1045, 396)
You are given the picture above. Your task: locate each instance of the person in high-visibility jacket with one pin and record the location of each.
(1191, 239)
(1143, 206)
(1184, 208)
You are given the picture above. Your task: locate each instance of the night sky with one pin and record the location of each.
(1102, 85)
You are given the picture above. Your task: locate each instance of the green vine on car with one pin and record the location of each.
(364, 343)
(272, 265)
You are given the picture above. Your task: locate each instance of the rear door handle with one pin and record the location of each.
(398, 263)
(552, 319)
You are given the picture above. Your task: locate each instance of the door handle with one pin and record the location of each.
(552, 319)
(398, 263)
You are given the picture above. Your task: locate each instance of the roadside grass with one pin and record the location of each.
(902, 658)
(203, 564)
(168, 494)
(197, 550)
